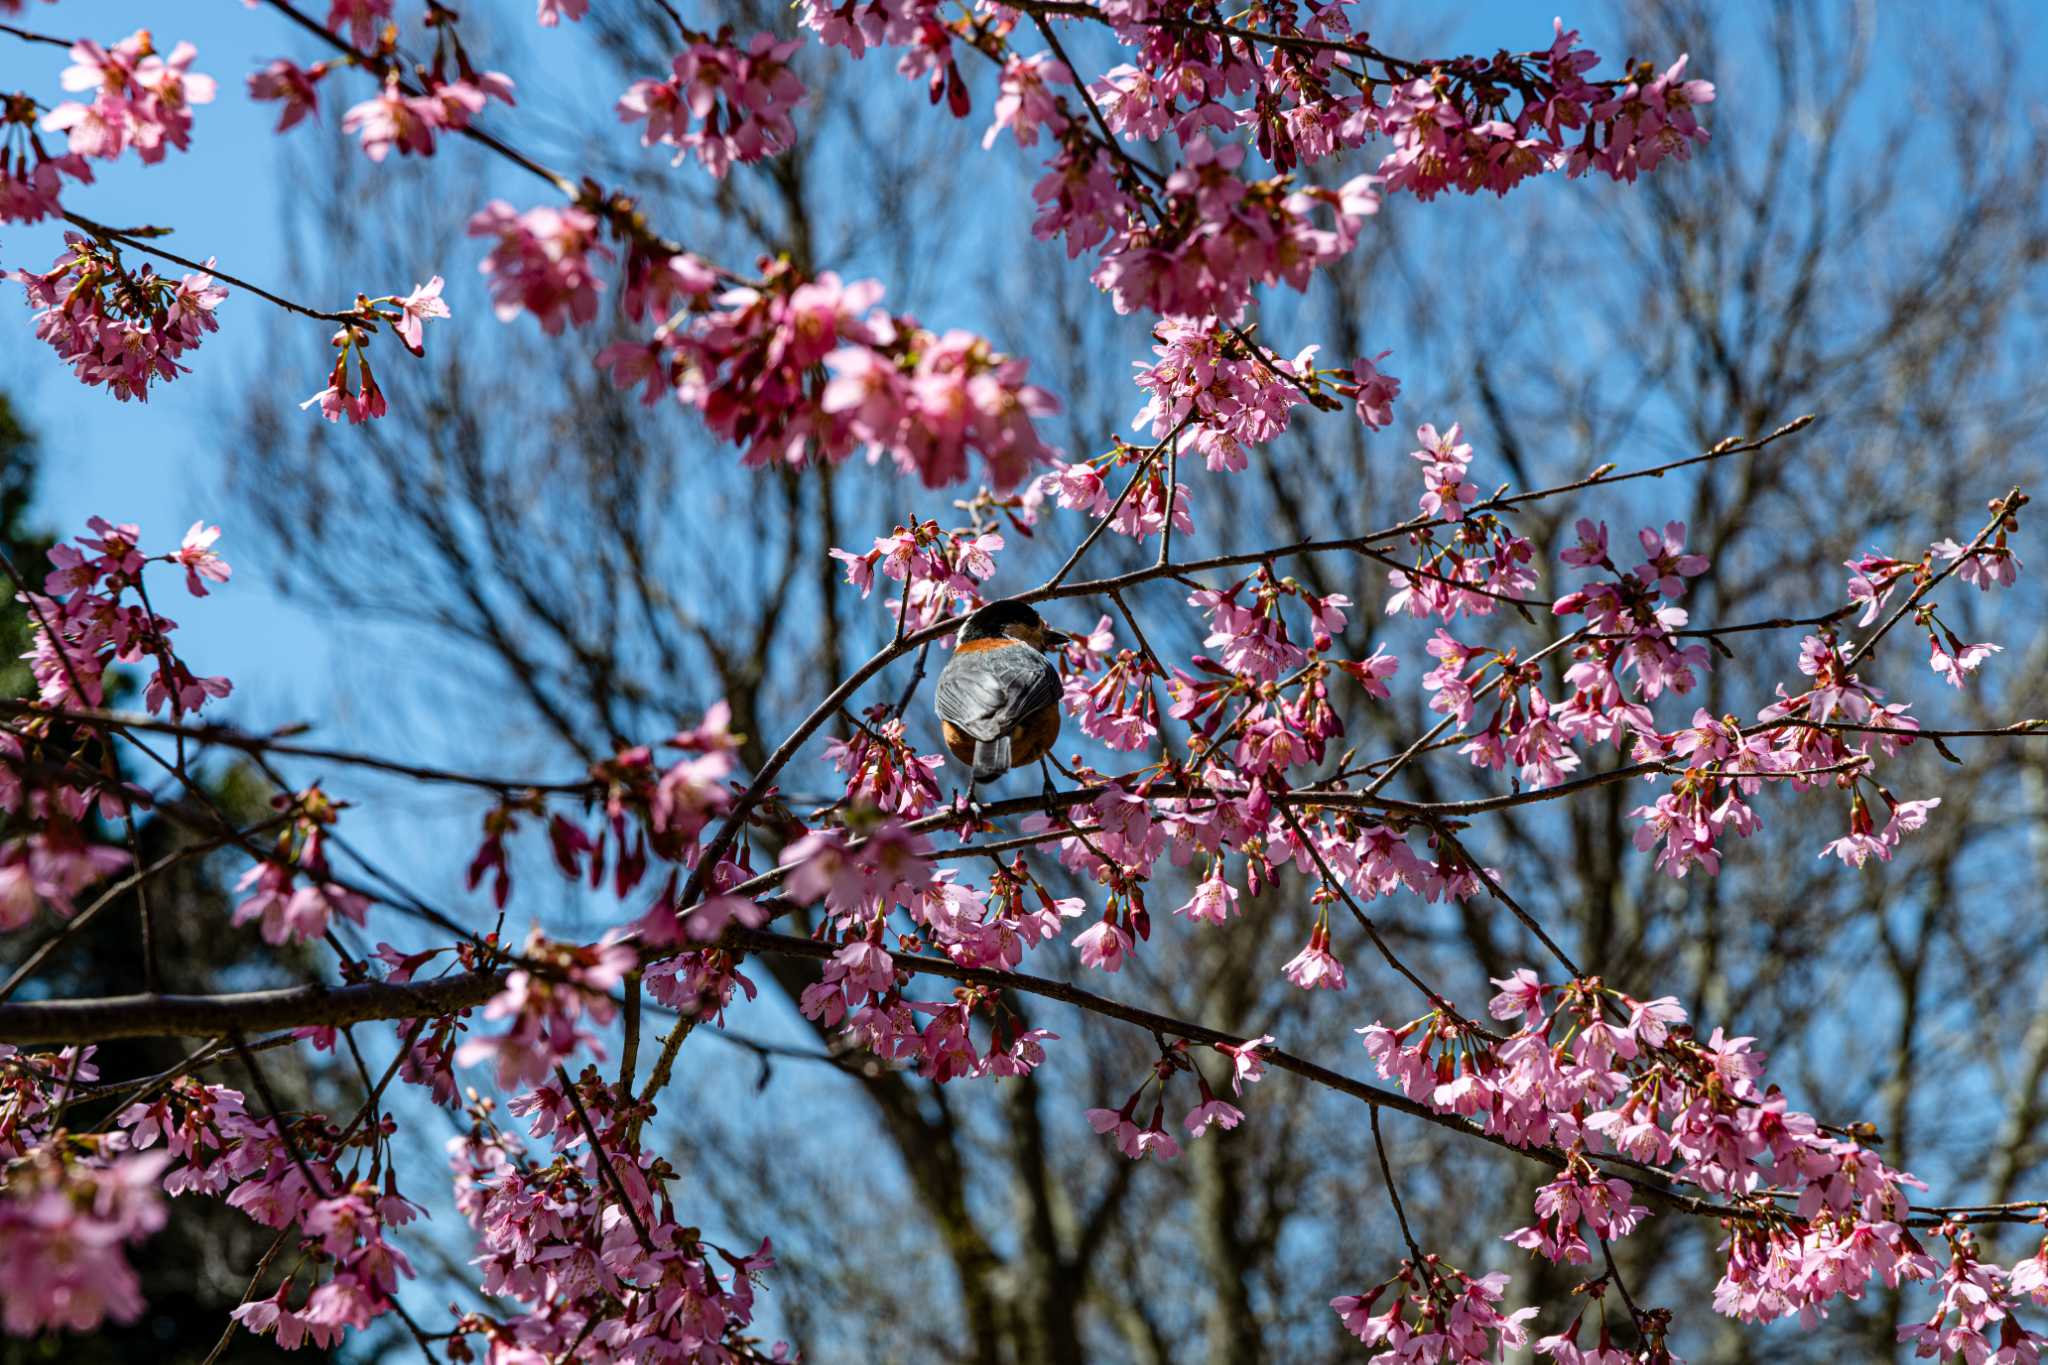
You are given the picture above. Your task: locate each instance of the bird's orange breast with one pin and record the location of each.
(1033, 737)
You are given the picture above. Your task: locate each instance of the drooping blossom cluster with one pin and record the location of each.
(883, 770)
(396, 117)
(723, 103)
(1225, 395)
(1984, 565)
(408, 116)
(941, 571)
(1109, 693)
(545, 1003)
(32, 178)
(1195, 240)
(1590, 1070)
(647, 813)
(292, 894)
(286, 1171)
(1466, 559)
(361, 400)
(294, 87)
(1832, 732)
(1437, 1312)
(69, 1207)
(115, 327)
(141, 101)
(83, 624)
(1154, 501)
(540, 262)
(1222, 234)
(585, 1239)
(1155, 1139)
(750, 361)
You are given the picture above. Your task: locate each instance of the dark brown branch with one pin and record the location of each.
(214, 1016)
(229, 738)
(107, 234)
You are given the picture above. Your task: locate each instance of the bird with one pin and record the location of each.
(998, 696)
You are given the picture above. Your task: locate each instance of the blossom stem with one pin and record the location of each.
(108, 234)
(604, 1160)
(29, 37)
(1394, 1192)
(2000, 510)
(276, 1114)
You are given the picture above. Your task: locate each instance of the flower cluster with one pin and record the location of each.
(1437, 1313)
(1195, 241)
(140, 101)
(1590, 1070)
(285, 910)
(750, 363)
(1834, 731)
(941, 571)
(558, 985)
(284, 1177)
(117, 327)
(31, 179)
(294, 87)
(724, 103)
(882, 770)
(1111, 697)
(540, 262)
(407, 317)
(1221, 234)
(1480, 561)
(1154, 1139)
(1218, 390)
(69, 1206)
(587, 1243)
(65, 1218)
(82, 626)
(395, 117)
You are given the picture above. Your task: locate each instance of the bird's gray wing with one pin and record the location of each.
(987, 692)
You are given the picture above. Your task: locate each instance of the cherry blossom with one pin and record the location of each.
(724, 102)
(140, 100)
(116, 327)
(1196, 172)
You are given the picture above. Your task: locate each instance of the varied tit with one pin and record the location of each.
(999, 696)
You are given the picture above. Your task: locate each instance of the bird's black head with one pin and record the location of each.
(1013, 619)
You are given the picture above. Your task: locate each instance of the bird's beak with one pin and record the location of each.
(1053, 639)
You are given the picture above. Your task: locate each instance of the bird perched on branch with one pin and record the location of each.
(998, 696)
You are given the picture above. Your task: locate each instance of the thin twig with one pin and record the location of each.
(276, 1115)
(1394, 1193)
(105, 233)
(604, 1160)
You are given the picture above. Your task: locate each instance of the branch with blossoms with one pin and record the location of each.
(689, 947)
(1185, 174)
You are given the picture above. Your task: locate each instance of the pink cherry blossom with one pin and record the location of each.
(199, 558)
(415, 310)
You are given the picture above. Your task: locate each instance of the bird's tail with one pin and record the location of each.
(991, 758)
